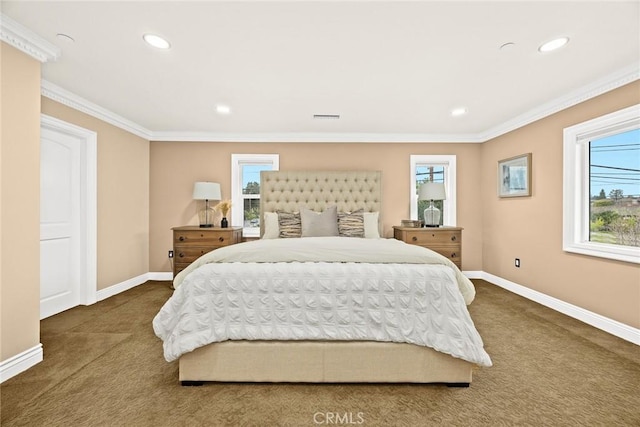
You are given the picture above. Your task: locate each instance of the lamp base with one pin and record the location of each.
(205, 217)
(431, 216)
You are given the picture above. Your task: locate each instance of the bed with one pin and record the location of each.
(321, 306)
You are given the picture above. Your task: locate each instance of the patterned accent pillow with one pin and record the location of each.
(351, 224)
(290, 224)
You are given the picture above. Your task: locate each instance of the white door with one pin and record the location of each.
(67, 216)
(59, 222)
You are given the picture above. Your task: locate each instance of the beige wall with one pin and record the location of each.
(175, 166)
(531, 228)
(20, 198)
(123, 196)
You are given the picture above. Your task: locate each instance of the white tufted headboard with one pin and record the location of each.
(316, 190)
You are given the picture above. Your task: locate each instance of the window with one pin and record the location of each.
(245, 189)
(601, 213)
(434, 168)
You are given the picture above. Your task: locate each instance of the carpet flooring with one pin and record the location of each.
(103, 366)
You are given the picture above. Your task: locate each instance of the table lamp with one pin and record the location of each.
(432, 191)
(206, 191)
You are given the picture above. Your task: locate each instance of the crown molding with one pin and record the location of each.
(63, 96)
(26, 40)
(600, 86)
(311, 137)
(603, 85)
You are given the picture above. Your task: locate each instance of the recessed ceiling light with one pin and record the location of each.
(156, 41)
(461, 111)
(553, 44)
(223, 109)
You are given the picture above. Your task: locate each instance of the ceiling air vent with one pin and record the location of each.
(326, 116)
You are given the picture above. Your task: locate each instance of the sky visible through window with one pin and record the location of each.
(251, 173)
(615, 164)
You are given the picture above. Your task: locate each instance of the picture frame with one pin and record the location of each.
(514, 176)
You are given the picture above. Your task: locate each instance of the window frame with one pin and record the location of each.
(449, 217)
(237, 198)
(576, 191)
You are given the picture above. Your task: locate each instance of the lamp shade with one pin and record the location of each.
(206, 191)
(432, 191)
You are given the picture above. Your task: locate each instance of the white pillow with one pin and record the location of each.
(271, 227)
(371, 230)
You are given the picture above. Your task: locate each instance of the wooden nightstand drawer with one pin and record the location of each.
(189, 254)
(428, 237)
(452, 254)
(209, 237)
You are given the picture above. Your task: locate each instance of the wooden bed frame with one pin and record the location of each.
(321, 361)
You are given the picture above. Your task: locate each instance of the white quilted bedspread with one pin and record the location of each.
(413, 303)
(330, 249)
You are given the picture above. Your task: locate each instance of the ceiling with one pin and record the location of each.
(391, 70)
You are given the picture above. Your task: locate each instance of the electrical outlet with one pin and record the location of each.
(170, 254)
(517, 263)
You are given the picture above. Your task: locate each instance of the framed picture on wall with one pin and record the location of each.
(514, 176)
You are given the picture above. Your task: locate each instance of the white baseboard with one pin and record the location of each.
(473, 274)
(20, 362)
(162, 275)
(121, 287)
(611, 326)
(131, 283)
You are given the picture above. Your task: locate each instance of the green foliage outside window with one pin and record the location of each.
(615, 222)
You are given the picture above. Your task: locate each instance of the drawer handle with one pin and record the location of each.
(181, 238)
(414, 238)
(181, 254)
(453, 238)
(221, 239)
(453, 254)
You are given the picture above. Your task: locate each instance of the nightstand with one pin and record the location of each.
(190, 242)
(446, 241)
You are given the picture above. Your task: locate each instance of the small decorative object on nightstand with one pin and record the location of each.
(446, 241)
(224, 207)
(191, 242)
(432, 191)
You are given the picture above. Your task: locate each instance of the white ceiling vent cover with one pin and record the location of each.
(326, 116)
